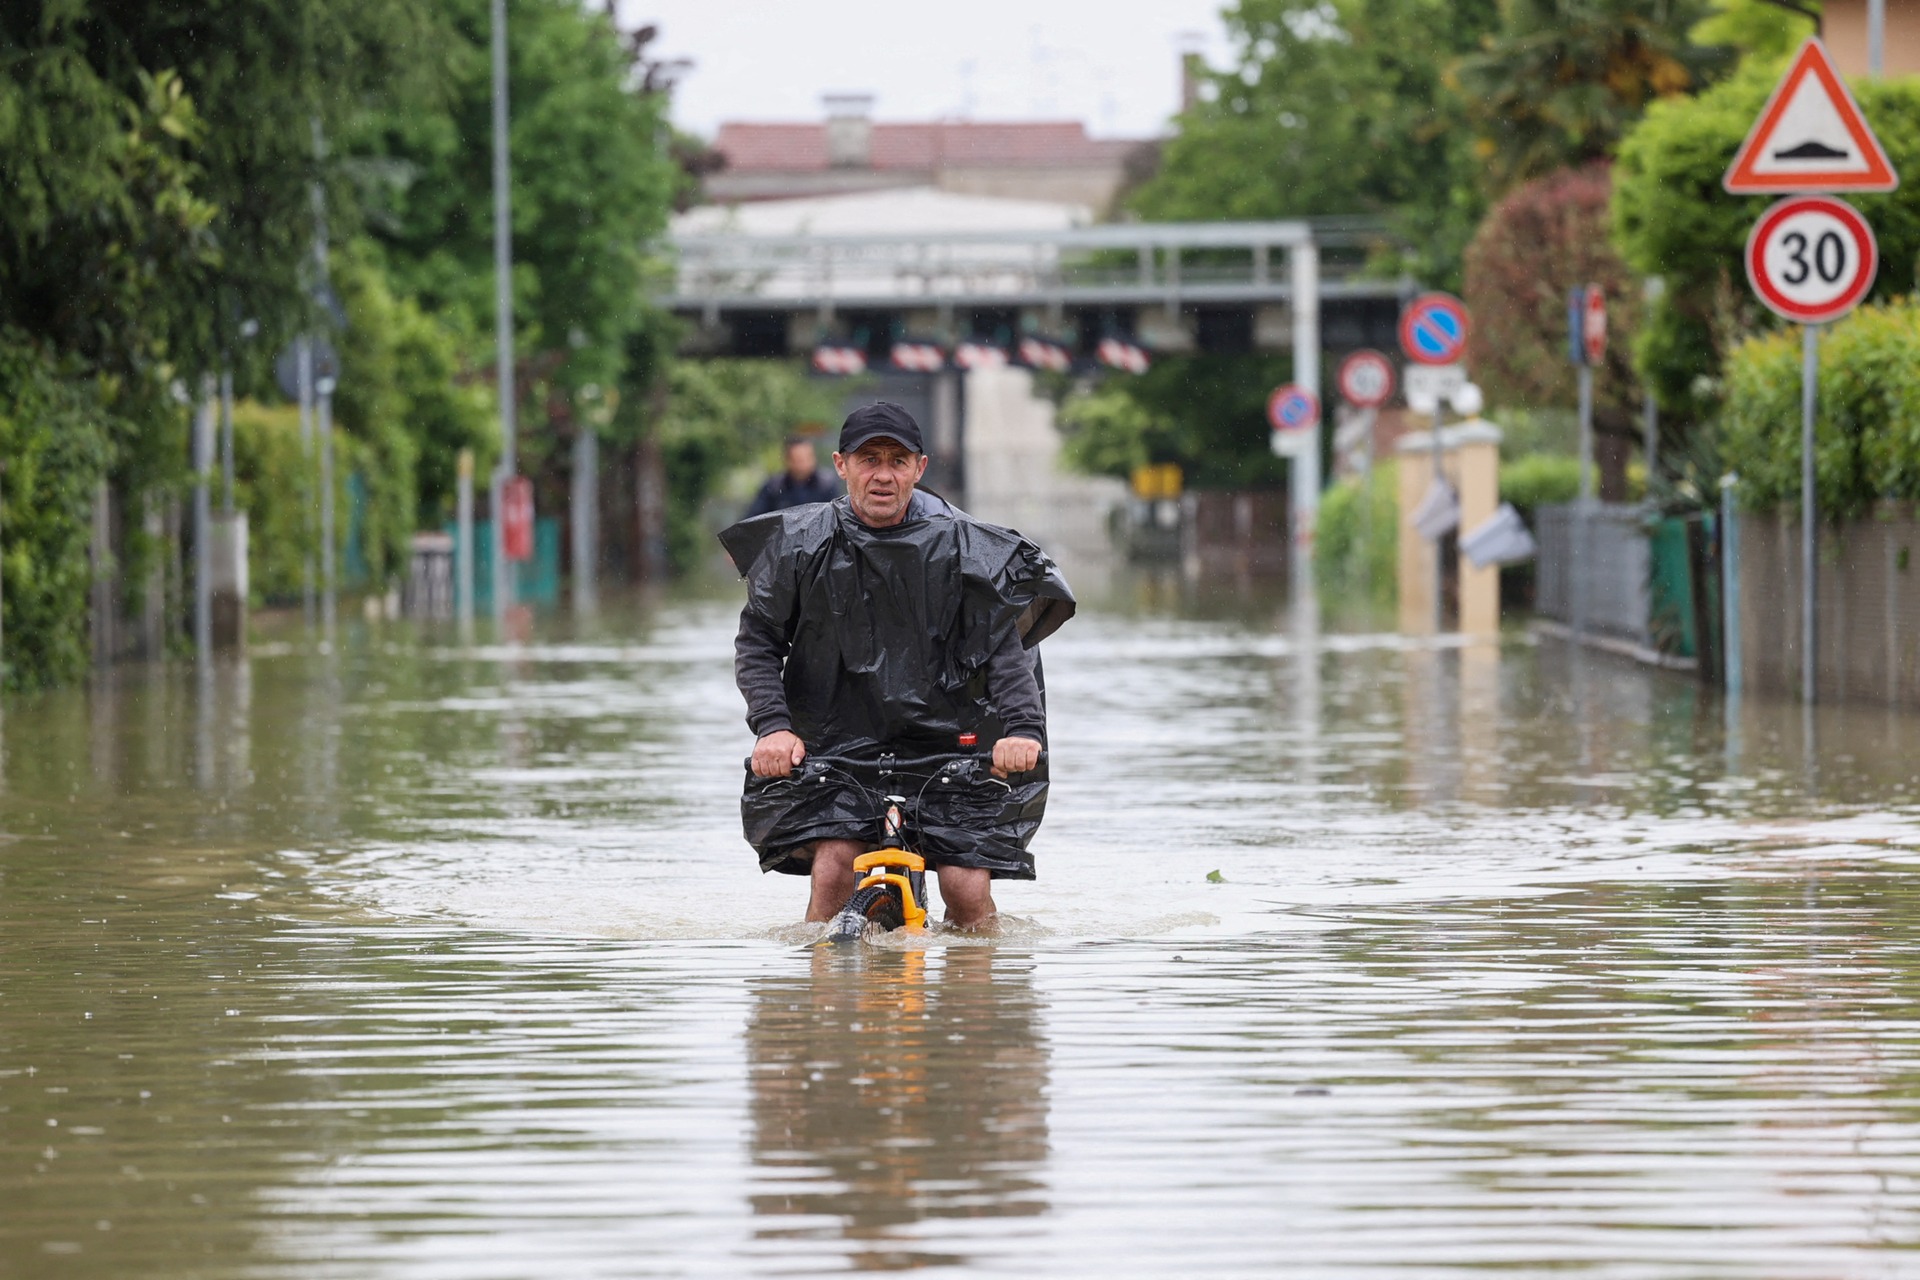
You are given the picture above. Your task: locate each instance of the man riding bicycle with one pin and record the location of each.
(889, 622)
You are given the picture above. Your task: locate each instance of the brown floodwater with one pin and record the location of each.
(1351, 956)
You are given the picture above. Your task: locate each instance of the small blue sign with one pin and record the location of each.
(1293, 408)
(1577, 325)
(1433, 329)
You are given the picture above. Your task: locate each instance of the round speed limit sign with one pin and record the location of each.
(1812, 258)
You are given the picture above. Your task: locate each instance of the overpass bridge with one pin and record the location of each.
(1173, 288)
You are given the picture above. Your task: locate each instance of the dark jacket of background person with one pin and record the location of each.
(782, 491)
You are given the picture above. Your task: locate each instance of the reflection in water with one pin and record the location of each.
(402, 959)
(892, 1089)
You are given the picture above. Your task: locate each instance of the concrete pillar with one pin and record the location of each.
(1470, 460)
(229, 580)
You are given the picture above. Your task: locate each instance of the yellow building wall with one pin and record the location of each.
(1470, 459)
(1844, 32)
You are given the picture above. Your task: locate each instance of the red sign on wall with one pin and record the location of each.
(516, 518)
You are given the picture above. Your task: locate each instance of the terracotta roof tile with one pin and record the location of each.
(790, 148)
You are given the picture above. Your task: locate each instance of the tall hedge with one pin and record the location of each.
(1672, 219)
(56, 448)
(1867, 420)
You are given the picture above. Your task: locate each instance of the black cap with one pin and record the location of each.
(872, 421)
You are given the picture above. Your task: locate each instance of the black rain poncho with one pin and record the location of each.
(887, 636)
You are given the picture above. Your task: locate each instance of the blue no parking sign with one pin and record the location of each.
(1433, 329)
(1293, 408)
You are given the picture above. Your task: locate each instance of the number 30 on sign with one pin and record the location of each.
(1812, 258)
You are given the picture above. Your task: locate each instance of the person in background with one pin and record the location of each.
(802, 482)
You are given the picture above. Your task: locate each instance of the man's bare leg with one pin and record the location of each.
(833, 878)
(968, 893)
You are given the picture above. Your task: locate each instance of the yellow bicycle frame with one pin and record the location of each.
(874, 865)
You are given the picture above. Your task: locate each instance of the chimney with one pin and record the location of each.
(1193, 67)
(849, 129)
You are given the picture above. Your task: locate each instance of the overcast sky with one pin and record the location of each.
(1110, 63)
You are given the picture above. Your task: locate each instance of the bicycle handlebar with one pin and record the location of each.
(887, 764)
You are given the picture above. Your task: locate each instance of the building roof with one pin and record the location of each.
(916, 210)
(1043, 144)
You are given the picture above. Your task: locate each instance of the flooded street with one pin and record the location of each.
(412, 960)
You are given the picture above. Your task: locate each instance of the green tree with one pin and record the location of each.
(593, 181)
(1562, 80)
(1334, 107)
(1208, 413)
(721, 415)
(1672, 219)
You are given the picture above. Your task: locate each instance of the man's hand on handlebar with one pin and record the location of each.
(1010, 755)
(778, 754)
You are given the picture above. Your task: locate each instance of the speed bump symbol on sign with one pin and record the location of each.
(1812, 259)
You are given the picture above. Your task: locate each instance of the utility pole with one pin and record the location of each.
(203, 525)
(502, 313)
(303, 357)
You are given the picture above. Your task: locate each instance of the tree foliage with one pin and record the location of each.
(1333, 107)
(1562, 80)
(1867, 420)
(593, 187)
(725, 414)
(1536, 244)
(1208, 413)
(55, 450)
(1672, 219)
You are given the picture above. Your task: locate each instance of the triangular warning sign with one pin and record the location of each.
(1810, 137)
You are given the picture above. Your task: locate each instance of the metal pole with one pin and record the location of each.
(463, 543)
(1304, 468)
(203, 526)
(1439, 544)
(226, 441)
(1582, 511)
(327, 599)
(303, 358)
(502, 306)
(586, 474)
(1730, 586)
(1809, 568)
(1876, 38)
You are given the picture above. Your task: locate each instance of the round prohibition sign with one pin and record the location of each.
(1366, 379)
(1293, 408)
(1433, 329)
(1812, 258)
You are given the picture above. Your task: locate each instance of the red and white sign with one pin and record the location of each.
(1812, 258)
(1593, 325)
(1433, 329)
(1810, 137)
(516, 518)
(1117, 353)
(1366, 379)
(918, 357)
(1293, 408)
(979, 355)
(1038, 353)
(839, 360)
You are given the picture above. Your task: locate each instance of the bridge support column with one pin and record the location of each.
(1304, 258)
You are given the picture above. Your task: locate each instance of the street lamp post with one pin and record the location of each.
(502, 311)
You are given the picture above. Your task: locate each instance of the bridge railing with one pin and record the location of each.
(1131, 262)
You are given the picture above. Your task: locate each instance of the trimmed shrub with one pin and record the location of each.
(1867, 419)
(1356, 538)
